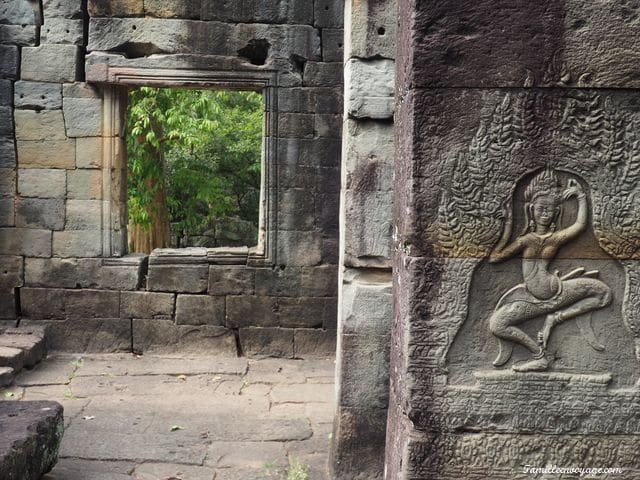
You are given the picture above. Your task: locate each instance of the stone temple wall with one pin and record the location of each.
(65, 66)
(366, 240)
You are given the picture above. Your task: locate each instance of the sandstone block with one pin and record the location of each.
(115, 8)
(29, 242)
(245, 311)
(7, 212)
(45, 125)
(18, 13)
(332, 44)
(268, 342)
(179, 278)
(7, 182)
(6, 121)
(296, 125)
(323, 74)
(89, 152)
(22, 35)
(162, 336)
(366, 303)
(328, 13)
(326, 212)
(370, 88)
(37, 95)
(62, 8)
(52, 272)
(83, 215)
(146, 305)
(200, 310)
(372, 29)
(299, 248)
(28, 339)
(50, 63)
(7, 306)
(90, 335)
(174, 8)
(84, 184)
(314, 342)
(7, 152)
(46, 154)
(369, 163)
(77, 243)
(328, 125)
(319, 281)
(261, 11)
(41, 182)
(9, 61)
(6, 92)
(46, 213)
(368, 238)
(62, 31)
(92, 303)
(11, 272)
(231, 280)
(82, 116)
(81, 90)
(296, 209)
(37, 303)
(307, 312)
(12, 358)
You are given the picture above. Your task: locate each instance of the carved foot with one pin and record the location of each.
(534, 365)
(545, 333)
(506, 349)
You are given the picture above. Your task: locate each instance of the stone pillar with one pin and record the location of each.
(516, 139)
(366, 217)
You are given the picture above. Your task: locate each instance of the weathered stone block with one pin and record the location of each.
(32, 432)
(77, 243)
(37, 95)
(200, 310)
(298, 125)
(269, 342)
(83, 215)
(30, 242)
(366, 302)
(296, 209)
(320, 281)
(6, 121)
(22, 35)
(297, 176)
(90, 335)
(89, 152)
(62, 31)
(174, 8)
(7, 212)
(369, 156)
(84, 184)
(146, 305)
(50, 63)
(245, 311)
(162, 336)
(42, 182)
(7, 182)
(12, 358)
(45, 125)
(323, 74)
(372, 29)
(124, 273)
(332, 44)
(115, 8)
(52, 272)
(81, 90)
(299, 248)
(231, 280)
(326, 213)
(37, 303)
(62, 8)
(368, 238)
(46, 213)
(11, 272)
(328, 13)
(18, 12)
(261, 11)
(7, 305)
(46, 154)
(7, 152)
(9, 61)
(370, 88)
(82, 116)
(92, 303)
(307, 312)
(178, 278)
(328, 125)
(30, 340)
(313, 342)
(6, 92)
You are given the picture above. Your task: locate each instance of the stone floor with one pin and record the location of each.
(148, 418)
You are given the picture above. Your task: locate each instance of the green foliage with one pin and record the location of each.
(202, 146)
(297, 470)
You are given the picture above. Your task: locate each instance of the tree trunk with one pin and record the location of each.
(144, 240)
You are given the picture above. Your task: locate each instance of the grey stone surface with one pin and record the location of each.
(371, 27)
(84, 184)
(245, 311)
(200, 310)
(42, 182)
(368, 160)
(62, 8)
(319, 281)
(18, 13)
(299, 248)
(62, 31)
(32, 432)
(182, 279)
(39, 303)
(9, 61)
(260, 11)
(146, 305)
(77, 243)
(307, 312)
(231, 280)
(7, 152)
(270, 342)
(323, 73)
(30, 242)
(7, 182)
(37, 95)
(7, 305)
(11, 357)
(296, 209)
(83, 214)
(313, 342)
(45, 125)
(7, 212)
(21, 35)
(51, 62)
(116, 8)
(332, 44)
(45, 213)
(89, 152)
(174, 8)
(82, 116)
(6, 376)
(92, 335)
(328, 13)
(30, 340)
(370, 88)
(368, 238)
(88, 303)
(11, 272)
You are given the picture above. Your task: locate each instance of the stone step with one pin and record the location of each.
(12, 357)
(30, 440)
(30, 340)
(6, 376)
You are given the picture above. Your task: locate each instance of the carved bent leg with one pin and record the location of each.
(502, 326)
(579, 296)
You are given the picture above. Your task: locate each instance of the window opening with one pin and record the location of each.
(194, 161)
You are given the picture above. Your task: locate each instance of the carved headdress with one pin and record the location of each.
(544, 183)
